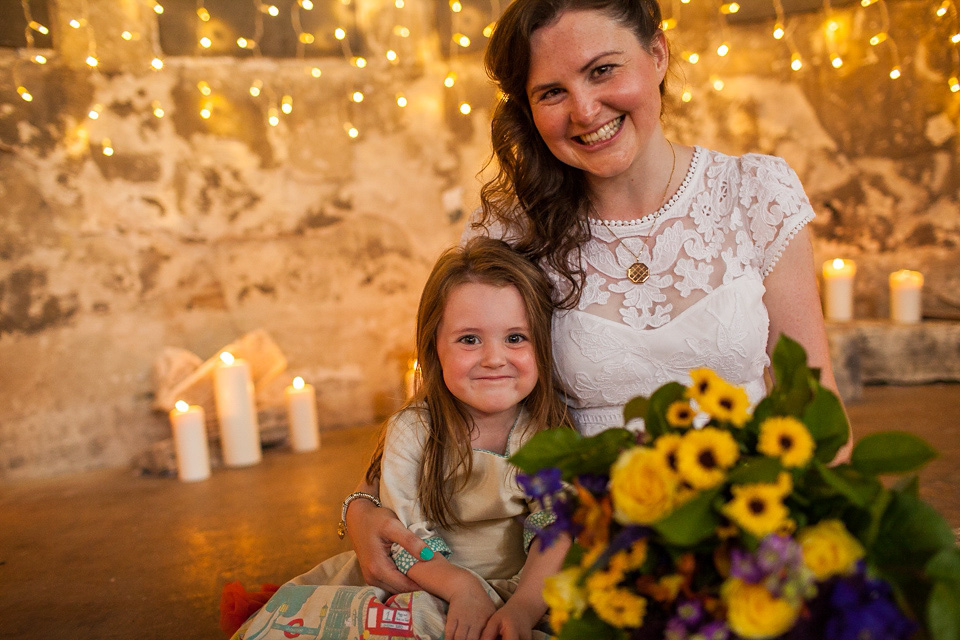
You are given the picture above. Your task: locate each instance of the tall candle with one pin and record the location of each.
(410, 379)
(905, 298)
(838, 289)
(239, 432)
(190, 442)
(302, 412)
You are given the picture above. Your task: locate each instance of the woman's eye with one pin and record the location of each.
(603, 69)
(549, 94)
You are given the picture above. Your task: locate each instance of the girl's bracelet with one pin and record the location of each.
(342, 527)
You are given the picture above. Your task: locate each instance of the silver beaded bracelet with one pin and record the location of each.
(342, 527)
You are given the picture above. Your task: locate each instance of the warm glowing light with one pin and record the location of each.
(339, 33)
(306, 38)
(391, 55)
(833, 25)
(203, 14)
(182, 406)
(795, 62)
(286, 105)
(455, 6)
(954, 84)
(106, 147)
(306, 4)
(36, 26)
(401, 31)
(687, 94)
(157, 8)
(723, 49)
(316, 72)
(837, 62)
(39, 59)
(298, 383)
(204, 88)
(359, 62)
(399, 4)
(692, 57)
(866, 3)
(76, 24)
(94, 113)
(838, 264)
(778, 31)
(942, 9)
(226, 357)
(206, 112)
(465, 108)
(461, 40)
(273, 117)
(488, 30)
(352, 132)
(450, 80)
(877, 39)
(205, 42)
(242, 42)
(126, 35)
(731, 7)
(272, 10)
(92, 61)
(895, 73)
(669, 23)
(955, 38)
(718, 84)
(401, 101)
(158, 110)
(255, 89)
(357, 96)
(157, 64)
(26, 95)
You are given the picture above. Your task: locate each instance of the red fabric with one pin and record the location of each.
(237, 604)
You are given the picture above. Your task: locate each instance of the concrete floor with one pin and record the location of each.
(109, 555)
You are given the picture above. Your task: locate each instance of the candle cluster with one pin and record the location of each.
(905, 292)
(237, 419)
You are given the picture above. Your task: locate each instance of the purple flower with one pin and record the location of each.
(862, 608)
(542, 485)
(691, 623)
(563, 523)
(777, 564)
(595, 483)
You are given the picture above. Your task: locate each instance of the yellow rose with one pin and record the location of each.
(753, 613)
(564, 597)
(829, 549)
(643, 487)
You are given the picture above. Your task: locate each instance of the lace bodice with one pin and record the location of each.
(708, 249)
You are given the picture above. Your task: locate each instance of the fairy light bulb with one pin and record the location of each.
(391, 55)
(942, 9)
(255, 88)
(866, 3)
(272, 10)
(357, 96)
(39, 28)
(450, 80)
(723, 49)
(955, 38)
(461, 40)
(488, 30)
(306, 38)
(94, 114)
(465, 108)
(39, 59)
(717, 83)
(401, 101)
(157, 64)
(351, 130)
(729, 8)
(692, 57)
(399, 4)
(954, 84)
(158, 109)
(203, 14)
(206, 111)
(92, 62)
(668, 24)
(76, 24)
(401, 31)
(106, 147)
(895, 73)
(359, 62)
(158, 8)
(126, 35)
(204, 88)
(878, 38)
(778, 31)
(837, 62)
(286, 104)
(339, 33)
(242, 42)
(273, 117)
(796, 63)
(205, 42)
(456, 6)
(316, 72)
(307, 5)
(687, 94)
(24, 94)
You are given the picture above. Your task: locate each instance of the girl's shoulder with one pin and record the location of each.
(412, 421)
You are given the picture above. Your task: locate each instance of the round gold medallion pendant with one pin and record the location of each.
(638, 273)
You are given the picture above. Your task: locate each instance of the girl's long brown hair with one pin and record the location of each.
(538, 199)
(447, 449)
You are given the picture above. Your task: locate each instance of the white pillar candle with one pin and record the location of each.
(905, 290)
(302, 413)
(190, 442)
(838, 289)
(410, 380)
(239, 432)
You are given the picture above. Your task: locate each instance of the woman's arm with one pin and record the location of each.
(516, 619)
(793, 303)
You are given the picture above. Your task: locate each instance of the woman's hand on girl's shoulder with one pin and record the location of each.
(373, 530)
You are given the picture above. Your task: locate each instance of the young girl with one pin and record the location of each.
(487, 385)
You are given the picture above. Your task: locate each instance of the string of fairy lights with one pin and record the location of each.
(279, 101)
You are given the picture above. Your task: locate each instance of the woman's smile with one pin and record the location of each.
(602, 134)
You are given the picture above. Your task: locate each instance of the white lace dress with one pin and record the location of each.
(709, 250)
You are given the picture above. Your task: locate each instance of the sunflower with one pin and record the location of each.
(704, 383)
(759, 508)
(727, 404)
(788, 439)
(680, 414)
(704, 456)
(594, 516)
(617, 607)
(667, 445)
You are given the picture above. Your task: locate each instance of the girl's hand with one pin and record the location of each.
(470, 609)
(373, 530)
(510, 623)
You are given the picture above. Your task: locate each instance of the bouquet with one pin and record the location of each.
(718, 523)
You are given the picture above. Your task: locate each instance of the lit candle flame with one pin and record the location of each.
(182, 406)
(838, 263)
(298, 383)
(226, 357)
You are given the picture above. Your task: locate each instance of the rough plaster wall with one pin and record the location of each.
(198, 231)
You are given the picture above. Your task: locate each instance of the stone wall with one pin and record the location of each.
(196, 231)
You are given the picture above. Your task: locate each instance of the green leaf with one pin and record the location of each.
(590, 627)
(573, 454)
(692, 522)
(943, 611)
(636, 408)
(656, 418)
(756, 470)
(911, 533)
(827, 422)
(858, 489)
(794, 381)
(945, 565)
(891, 452)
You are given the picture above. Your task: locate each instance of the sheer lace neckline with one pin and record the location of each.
(666, 206)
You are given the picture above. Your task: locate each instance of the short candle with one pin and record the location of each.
(905, 296)
(302, 413)
(838, 289)
(190, 441)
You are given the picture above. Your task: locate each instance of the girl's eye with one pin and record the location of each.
(469, 340)
(516, 338)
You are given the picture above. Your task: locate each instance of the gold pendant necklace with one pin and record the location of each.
(638, 273)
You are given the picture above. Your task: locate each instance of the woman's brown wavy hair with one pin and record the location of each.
(541, 202)
(447, 449)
